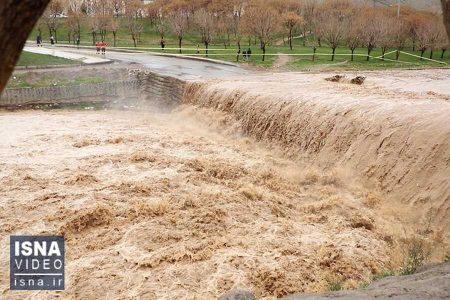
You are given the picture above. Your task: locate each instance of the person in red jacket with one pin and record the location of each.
(103, 46)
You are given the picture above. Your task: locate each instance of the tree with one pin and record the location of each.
(114, 26)
(178, 23)
(261, 22)
(17, 19)
(51, 17)
(333, 19)
(435, 31)
(205, 23)
(133, 12)
(400, 31)
(290, 21)
(309, 14)
(370, 30)
(353, 33)
(385, 30)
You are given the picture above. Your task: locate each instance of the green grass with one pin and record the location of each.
(33, 59)
(23, 81)
(150, 39)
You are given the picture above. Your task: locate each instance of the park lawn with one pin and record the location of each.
(33, 59)
(150, 41)
(24, 81)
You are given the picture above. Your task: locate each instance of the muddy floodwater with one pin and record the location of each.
(172, 206)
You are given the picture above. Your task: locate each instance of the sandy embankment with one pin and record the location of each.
(183, 206)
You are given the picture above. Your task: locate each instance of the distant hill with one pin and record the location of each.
(431, 5)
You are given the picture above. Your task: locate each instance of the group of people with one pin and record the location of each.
(247, 54)
(53, 41)
(101, 46)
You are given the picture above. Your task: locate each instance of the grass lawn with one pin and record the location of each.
(23, 80)
(33, 59)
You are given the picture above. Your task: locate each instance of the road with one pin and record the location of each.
(181, 68)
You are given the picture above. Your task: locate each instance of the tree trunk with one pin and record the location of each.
(369, 50)
(334, 52)
(239, 51)
(421, 54)
(206, 48)
(397, 55)
(56, 36)
(17, 19)
(414, 44)
(431, 54)
(180, 39)
(319, 42)
(114, 38)
(290, 38)
(383, 52)
(353, 54)
(264, 51)
(68, 36)
(134, 40)
(443, 53)
(93, 38)
(314, 54)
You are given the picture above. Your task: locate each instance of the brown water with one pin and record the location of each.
(158, 206)
(190, 204)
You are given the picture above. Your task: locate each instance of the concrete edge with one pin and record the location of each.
(61, 66)
(216, 61)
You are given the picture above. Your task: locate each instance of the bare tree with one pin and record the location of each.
(290, 21)
(204, 21)
(178, 23)
(370, 30)
(133, 12)
(353, 33)
(261, 22)
(51, 17)
(333, 31)
(400, 32)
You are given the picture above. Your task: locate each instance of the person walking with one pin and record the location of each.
(163, 44)
(78, 42)
(39, 40)
(249, 54)
(52, 41)
(103, 46)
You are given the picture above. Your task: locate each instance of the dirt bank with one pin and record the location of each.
(393, 131)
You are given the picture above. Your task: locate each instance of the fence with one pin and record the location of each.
(70, 94)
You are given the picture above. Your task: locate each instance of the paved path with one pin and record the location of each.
(174, 66)
(87, 59)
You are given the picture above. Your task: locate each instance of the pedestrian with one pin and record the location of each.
(244, 55)
(39, 40)
(163, 44)
(97, 47)
(198, 49)
(103, 46)
(52, 41)
(78, 42)
(249, 54)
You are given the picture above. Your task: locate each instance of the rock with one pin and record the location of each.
(358, 80)
(432, 282)
(238, 294)
(335, 78)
